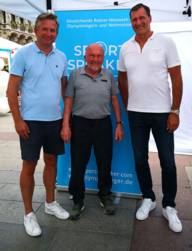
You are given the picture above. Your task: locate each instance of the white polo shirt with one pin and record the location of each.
(147, 73)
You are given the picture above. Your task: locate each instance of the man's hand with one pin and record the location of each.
(22, 129)
(66, 134)
(119, 132)
(172, 122)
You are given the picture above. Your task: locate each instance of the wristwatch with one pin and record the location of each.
(176, 111)
(119, 122)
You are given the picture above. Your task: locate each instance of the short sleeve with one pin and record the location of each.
(121, 63)
(114, 88)
(18, 64)
(65, 67)
(69, 92)
(172, 56)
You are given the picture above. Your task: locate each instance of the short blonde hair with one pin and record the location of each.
(46, 16)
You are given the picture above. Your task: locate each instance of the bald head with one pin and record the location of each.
(94, 56)
(94, 47)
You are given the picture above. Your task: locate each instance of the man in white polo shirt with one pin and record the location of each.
(39, 72)
(145, 63)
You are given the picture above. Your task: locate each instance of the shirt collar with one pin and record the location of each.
(150, 38)
(36, 48)
(102, 74)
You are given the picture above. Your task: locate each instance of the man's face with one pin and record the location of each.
(94, 58)
(46, 32)
(140, 22)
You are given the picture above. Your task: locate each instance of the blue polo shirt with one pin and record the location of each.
(41, 82)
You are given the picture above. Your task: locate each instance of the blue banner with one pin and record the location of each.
(110, 28)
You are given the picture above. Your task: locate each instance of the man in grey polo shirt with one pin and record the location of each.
(89, 94)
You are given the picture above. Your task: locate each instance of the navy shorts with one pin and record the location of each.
(44, 134)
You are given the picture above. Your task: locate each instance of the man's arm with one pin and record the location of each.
(123, 87)
(12, 94)
(63, 86)
(177, 86)
(117, 111)
(177, 90)
(66, 130)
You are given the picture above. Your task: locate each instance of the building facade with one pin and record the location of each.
(16, 29)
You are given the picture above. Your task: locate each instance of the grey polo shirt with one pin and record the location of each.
(91, 96)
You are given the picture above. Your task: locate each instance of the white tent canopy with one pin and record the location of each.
(28, 9)
(7, 44)
(12, 46)
(161, 10)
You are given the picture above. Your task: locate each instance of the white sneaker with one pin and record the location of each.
(55, 209)
(146, 206)
(31, 225)
(170, 213)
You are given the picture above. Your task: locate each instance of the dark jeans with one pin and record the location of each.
(140, 126)
(85, 134)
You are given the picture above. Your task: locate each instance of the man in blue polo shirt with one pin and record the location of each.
(39, 73)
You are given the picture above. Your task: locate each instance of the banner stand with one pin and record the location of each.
(78, 29)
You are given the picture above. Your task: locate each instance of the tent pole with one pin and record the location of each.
(49, 5)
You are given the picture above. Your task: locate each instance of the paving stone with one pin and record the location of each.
(153, 234)
(90, 241)
(93, 219)
(94, 231)
(13, 211)
(188, 170)
(14, 238)
(10, 150)
(12, 192)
